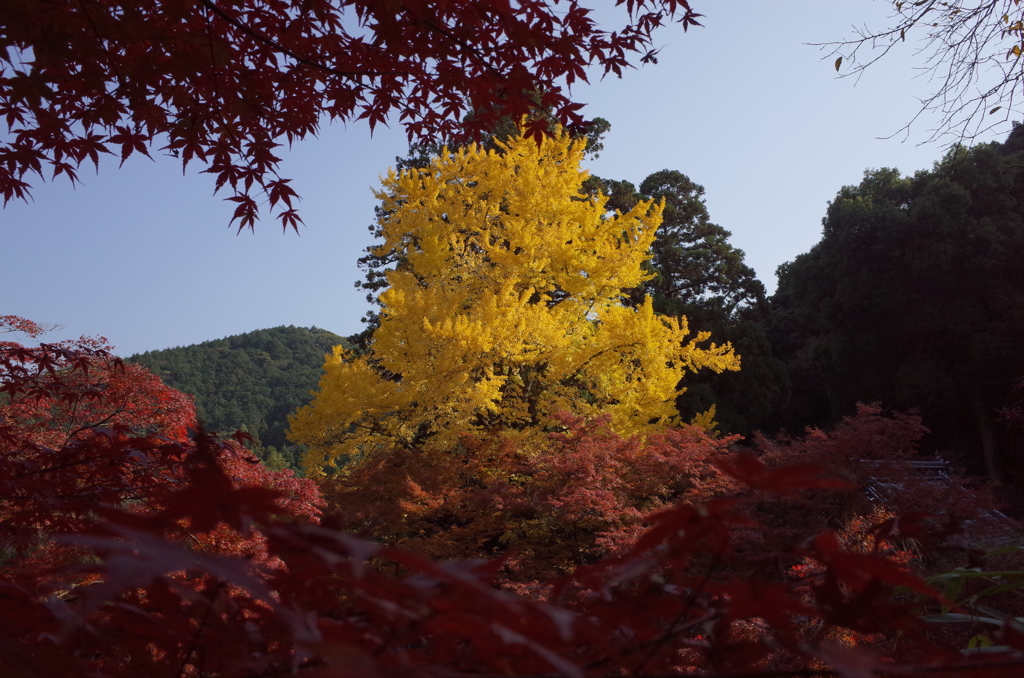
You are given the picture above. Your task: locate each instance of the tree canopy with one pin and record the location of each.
(505, 308)
(226, 83)
(691, 257)
(915, 295)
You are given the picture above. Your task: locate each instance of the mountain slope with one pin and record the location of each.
(248, 382)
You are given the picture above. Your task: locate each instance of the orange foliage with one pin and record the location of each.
(581, 496)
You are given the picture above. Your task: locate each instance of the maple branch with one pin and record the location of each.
(183, 666)
(466, 47)
(672, 629)
(213, 58)
(599, 353)
(278, 47)
(90, 425)
(71, 434)
(96, 32)
(59, 467)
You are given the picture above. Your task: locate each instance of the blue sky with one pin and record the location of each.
(144, 256)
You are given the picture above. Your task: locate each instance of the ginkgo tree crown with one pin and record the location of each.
(506, 308)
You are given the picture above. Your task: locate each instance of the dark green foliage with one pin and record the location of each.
(693, 261)
(700, 275)
(249, 382)
(915, 298)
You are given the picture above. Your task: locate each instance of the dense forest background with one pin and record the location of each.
(914, 297)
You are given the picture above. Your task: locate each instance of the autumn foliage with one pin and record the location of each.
(545, 509)
(128, 571)
(80, 429)
(525, 501)
(515, 493)
(228, 83)
(507, 308)
(94, 452)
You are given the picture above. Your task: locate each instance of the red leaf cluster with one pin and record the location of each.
(583, 495)
(873, 454)
(228, 82)
(158, 557)
(99, 459)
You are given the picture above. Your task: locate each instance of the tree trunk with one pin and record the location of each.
(988, 442)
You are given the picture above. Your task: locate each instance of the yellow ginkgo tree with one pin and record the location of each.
(506, 308)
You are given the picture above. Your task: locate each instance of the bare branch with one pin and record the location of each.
(970, 53)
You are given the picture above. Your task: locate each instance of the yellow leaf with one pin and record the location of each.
(706, 421)
(979, 641)
(508, 310)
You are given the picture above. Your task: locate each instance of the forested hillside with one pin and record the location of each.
(249, 382)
